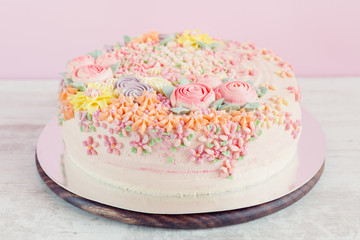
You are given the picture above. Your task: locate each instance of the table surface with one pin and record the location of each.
(29, 210)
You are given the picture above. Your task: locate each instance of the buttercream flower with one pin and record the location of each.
(211, 81)
(152, 36)
(91, 145)
(142, 122)
(193, 96)
(93, 99)
(236, 92)
(227, 169)
(148, 100)
(131, 86)
(192, 38)
(92, 73)
(78, 62)
(197, 154)
(66, 107)
(195, 121)
(108, 84)
(112, 145)
(125, 81)
(106, 60)
(156, 83)
(141, 144)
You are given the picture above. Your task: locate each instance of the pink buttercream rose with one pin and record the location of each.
(236, 92)
(106, 60)
(74, 64)
(92, 73)
(193, 96)
(211, 81)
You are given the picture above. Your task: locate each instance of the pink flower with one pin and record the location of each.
(227, 169)
(112, 145)
(122, 124)
(92, 73)
(198, 154)
(78, 62)
(106, 60)
(141, 144)
(211, 81)
(236, 92)
(91, 145)
(180, 136)
(193, 96)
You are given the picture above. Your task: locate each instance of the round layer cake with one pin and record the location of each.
(180, 114)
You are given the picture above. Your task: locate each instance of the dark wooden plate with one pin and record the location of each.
(180, 221)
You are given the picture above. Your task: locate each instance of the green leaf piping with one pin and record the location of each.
(217, 104)
(95, 54)
(183, 81)
(180, 110)
(115, 67)
(168, 90)
(79, 86)
(127, 39)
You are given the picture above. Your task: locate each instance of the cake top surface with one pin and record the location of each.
(175, 85)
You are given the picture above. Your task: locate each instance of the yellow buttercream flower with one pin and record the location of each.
(156, 83)
(192, 38)
(95, 97)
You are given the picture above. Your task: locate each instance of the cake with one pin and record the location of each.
(180, 115)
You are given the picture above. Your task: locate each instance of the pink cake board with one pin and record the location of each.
(312, 147)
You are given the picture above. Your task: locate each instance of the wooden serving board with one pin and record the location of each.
(180, 221)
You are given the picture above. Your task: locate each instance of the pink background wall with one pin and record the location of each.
(319, 37)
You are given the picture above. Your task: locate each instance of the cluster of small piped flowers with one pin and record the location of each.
(217, 136)
(222, 137)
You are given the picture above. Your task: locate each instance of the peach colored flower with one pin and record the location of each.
(152, 36)
(126, 101)
(109, 114)
(66, 107)
(159, 113)
(217, 117)
(148, 100)
(134, 111)
(243, 118)
(142, 122)
(194, 121)
(169, 122)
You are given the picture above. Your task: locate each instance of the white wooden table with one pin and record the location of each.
(29, 210)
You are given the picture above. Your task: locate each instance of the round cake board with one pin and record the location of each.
(254, 205)
(180, 221)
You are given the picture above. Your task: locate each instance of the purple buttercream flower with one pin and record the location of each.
(131, 86)
(125, 81)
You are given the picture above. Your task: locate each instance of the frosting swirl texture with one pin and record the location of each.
(92, 73)
(78, 62)
(193, 96)
(131, 86)
(236, 92)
